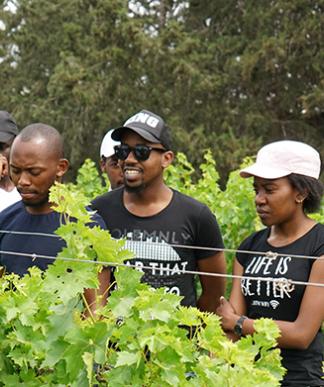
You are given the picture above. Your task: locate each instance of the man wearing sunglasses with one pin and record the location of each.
(163, 227)
(8, 132)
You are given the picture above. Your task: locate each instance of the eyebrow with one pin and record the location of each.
(26, 168)
(266, 184)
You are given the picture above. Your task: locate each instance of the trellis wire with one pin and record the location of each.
(217, 249)
(283, 281)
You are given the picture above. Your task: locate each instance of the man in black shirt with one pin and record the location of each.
(163, 227)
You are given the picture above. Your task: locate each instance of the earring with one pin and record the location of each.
(299, 201)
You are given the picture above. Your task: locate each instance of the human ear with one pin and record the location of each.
(62, 167)
(103, 165)
(300, 197)
(167, 158)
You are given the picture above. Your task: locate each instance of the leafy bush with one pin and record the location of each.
(143, 337)
(89, 182)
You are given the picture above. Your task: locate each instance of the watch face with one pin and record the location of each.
(238, 330)
(239, 325)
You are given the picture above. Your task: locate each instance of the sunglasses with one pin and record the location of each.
(141, 152)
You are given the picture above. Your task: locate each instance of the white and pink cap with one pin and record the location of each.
(281, 158)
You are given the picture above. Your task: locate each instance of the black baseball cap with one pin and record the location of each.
(8, 127)
(148, 125)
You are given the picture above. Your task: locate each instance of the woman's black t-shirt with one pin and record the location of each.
(282, 301)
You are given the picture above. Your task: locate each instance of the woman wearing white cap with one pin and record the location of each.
(286, 189)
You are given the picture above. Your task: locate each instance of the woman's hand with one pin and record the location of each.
(228, 315)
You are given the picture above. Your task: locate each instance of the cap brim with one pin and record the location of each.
(6, 137)
(264, 172)
(117, 133)
(106, 154)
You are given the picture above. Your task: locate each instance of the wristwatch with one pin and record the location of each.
(239, 325)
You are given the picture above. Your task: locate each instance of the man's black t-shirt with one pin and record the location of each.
(265, 299)
(153, 239)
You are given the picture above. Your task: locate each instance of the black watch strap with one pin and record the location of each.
(239, 326)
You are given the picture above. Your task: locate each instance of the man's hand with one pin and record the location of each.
(4, 168)
(212, 287)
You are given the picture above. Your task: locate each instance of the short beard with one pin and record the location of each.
(137, 189)
(40, 203)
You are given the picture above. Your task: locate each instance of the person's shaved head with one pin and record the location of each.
(45, 134)
(36, 163)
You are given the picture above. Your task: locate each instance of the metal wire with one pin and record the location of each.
(217, 249)
(278, 281)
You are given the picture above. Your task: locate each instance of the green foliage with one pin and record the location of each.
(45, 340)
(89, 181)
(232, 206)
(319, 217)
(142, 337)
(162, 343)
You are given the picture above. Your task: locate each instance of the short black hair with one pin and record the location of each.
(310, 186)
(166, 139)
(47, 132)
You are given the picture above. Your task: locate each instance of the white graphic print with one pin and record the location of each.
(267, 267)
(143, 118)
(151, 250)
(266, 304)
(274, 304)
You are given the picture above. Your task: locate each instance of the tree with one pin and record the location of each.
(77, 66)
(226, 75)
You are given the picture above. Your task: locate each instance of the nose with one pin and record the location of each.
(260, 198)
(23, 180)
(130, 158)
